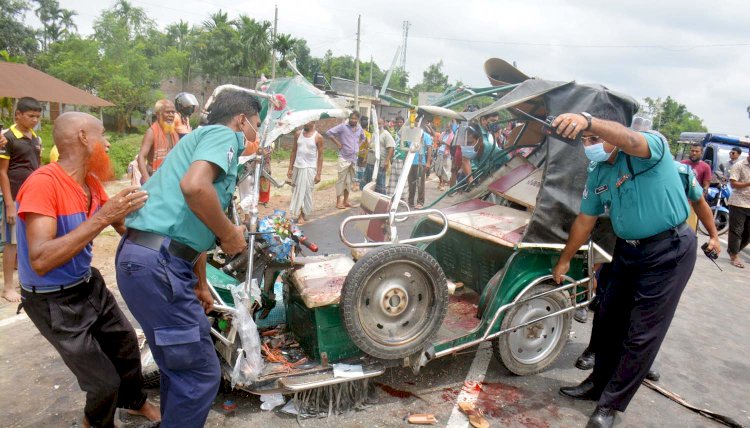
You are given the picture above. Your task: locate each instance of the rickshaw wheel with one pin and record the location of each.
(533, 348)
(393, 301)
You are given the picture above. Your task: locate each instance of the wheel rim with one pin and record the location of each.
(721, 220)
(393, 303)
(534, 342)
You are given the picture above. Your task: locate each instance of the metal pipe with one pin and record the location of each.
(218, 335)
(402, 216)
(486, 336)
(225, 309)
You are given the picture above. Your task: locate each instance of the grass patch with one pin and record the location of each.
(285, 154)
(327, 184)
(123, 147)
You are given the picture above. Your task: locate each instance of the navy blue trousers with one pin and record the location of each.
(636, 310)
(379, 181)
(159, 291)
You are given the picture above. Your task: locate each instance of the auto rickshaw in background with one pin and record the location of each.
(474, 271)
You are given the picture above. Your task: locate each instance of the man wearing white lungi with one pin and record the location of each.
(305, 166)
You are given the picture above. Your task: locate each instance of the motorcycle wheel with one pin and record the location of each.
(721, 220)
(393, 301)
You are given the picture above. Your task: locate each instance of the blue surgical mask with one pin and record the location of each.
(596, 152)
(468, 152)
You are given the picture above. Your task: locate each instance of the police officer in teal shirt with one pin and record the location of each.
(634, 178)
(161, 262)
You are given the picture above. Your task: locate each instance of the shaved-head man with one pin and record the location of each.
(62, 207)
(158, 141)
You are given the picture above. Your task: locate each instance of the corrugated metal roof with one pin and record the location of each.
(20, 80)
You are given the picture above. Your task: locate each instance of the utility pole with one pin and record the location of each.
(403, 44)
(273, 41)
(370, 70)
(356, 67)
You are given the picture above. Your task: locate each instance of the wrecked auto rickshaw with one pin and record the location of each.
(478, 270)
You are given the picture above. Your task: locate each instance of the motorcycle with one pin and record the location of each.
(718, 199)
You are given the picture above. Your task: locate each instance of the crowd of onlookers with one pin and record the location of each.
(451, 151)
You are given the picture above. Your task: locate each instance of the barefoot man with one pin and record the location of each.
(62, 207)
(19, 157)
(347, 136)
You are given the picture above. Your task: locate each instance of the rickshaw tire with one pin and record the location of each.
(501, 349)
(151, 379)
(369, 264)
(149, 370)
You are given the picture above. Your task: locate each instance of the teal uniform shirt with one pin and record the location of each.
(650, 203)
(489, 151)
(166, 211)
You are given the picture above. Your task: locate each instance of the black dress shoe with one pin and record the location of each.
(583, 391)
(653, 375)
(586, 360)
(603, 417)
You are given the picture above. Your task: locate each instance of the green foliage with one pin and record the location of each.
(56, 21)
(433, 79)
(672, 118)
(74, 60)
(17, 38)
(122, 151)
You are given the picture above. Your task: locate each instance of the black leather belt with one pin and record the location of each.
(154, 241)
(658, 237)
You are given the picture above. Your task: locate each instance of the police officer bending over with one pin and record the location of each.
(634, 177)
(161, 262)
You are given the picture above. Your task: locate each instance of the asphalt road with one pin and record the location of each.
(704, 360)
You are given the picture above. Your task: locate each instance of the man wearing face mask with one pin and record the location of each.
(161, 262)
(477, 152)
(634, 178)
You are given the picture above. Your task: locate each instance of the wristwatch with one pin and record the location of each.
(588, 120)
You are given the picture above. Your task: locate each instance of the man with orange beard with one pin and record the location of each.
(62, 207)
(158, 141)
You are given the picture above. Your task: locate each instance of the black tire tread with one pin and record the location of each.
(363, 268)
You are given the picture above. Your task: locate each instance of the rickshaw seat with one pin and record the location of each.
(520, 185)
(488, 221)
(320, 279)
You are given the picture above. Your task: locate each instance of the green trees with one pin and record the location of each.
(433, 79)
(56, 21)
(672, 118)
(255, 45)
(17, 38)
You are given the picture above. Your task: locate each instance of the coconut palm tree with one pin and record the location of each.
(255, 44)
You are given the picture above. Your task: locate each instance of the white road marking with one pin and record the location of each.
(476, 373)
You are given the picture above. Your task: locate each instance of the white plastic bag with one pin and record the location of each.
(271, 401)
(249, 364)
